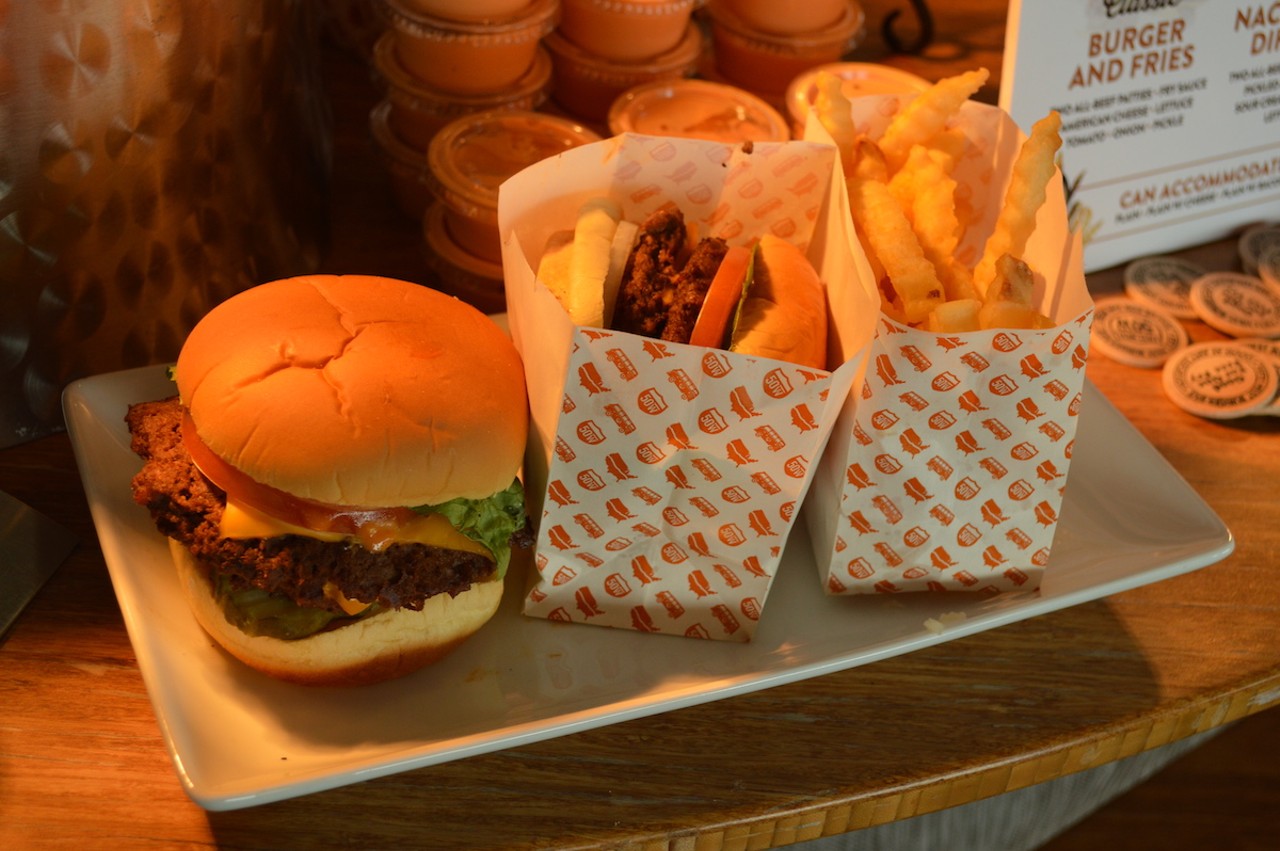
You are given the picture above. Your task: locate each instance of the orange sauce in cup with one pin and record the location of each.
(697, 109)
(469, 58)
(406, 166)
(418, 111)
(467, 10)
(470, 158)
(475, 280)
(767, 63)
(625, 30)
(587, 84)
(788, 17)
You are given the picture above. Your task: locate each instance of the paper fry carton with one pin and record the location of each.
(669, 476)
(947, 466)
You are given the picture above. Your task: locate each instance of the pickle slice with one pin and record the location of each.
(255, 612)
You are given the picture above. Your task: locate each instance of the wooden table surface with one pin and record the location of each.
(82, 761)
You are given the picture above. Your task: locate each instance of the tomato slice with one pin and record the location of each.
(712, 325)
(322, 517)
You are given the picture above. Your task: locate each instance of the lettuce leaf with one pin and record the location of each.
(747, 283)
(490, 522)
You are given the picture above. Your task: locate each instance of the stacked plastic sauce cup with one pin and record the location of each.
(463, 83)
(442, 59)
(416, 111)
(465, 55)
(601, 48)
(697, 109)
(467, 161)
(762, 45)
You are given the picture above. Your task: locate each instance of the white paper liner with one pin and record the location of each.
(946, 469)
(666, 478)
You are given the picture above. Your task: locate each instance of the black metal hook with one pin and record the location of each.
(922, 38)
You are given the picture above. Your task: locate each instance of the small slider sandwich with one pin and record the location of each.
(654, 279)
(337, 475)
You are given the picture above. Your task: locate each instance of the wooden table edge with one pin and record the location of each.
(1093, 749)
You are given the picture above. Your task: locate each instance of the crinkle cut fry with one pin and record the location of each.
(1032, 171)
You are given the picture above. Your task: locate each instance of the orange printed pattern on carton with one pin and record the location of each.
(673, 486)
(959, 453)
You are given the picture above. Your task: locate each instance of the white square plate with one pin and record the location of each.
(239, 739)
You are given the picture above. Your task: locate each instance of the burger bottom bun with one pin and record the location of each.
(382, 647)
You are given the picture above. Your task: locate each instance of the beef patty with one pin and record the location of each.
(188, 507)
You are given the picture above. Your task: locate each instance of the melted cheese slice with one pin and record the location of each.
(350, 606)
(242, 521)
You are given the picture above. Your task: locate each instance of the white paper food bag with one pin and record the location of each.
(669, 475)
(946, 468)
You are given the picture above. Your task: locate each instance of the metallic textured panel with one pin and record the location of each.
(156, 156)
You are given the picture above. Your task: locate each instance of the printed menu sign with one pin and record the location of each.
(1170, 115)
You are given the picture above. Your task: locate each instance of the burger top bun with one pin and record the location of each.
(357, 391)
(785, 314)
(383, 647)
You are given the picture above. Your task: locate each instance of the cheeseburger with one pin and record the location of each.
(653, 278)
(337, 475)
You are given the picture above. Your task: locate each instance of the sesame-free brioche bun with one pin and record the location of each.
(381, 647)
(356, 390)
(785, 314)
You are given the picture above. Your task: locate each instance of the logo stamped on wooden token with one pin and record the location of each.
(1255, 242)
(1219, 380)
(1270, 351)
(1237, 304)
(1134, 333)
(1164, 282)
